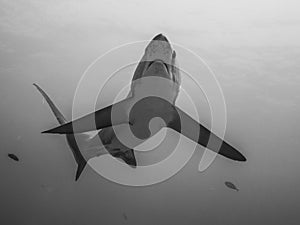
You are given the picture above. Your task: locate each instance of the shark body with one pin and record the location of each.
(138, 109)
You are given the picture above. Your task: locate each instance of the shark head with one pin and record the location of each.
(159, 60)
(159, 55)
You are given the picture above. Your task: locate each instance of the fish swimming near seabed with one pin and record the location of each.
(231, 185)
(159, 60)
(13, 156)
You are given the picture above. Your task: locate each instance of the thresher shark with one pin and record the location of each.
(158, 73)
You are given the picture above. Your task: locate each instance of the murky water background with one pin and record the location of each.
(252, 47)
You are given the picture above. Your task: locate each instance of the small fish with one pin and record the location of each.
(13, 156)
(125, 216)
(231, 185)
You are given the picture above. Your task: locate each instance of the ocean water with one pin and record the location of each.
(253, 49)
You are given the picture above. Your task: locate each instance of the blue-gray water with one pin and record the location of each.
(254, 50)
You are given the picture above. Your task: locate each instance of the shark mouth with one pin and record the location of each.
(159, 61)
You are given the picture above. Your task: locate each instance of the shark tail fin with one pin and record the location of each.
(59, 116)
(81, 162)
(80, 168)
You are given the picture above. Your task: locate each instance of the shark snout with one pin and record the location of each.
(159, 53)
(160, 37)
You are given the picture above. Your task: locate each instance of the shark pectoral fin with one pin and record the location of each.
(193, 130)
(96, 120)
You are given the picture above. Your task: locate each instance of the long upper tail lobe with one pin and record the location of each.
(81, 162)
